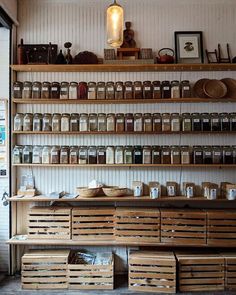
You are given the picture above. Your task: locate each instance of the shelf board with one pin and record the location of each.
(125, 68)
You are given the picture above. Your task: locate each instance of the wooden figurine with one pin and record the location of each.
(129, 41)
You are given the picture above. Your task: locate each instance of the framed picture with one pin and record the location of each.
(189, 47)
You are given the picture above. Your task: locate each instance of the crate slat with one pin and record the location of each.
(230, 271)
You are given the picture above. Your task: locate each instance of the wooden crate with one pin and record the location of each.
(230, 271)
(183, 227)
(93, 224)
(49, 223)
(140, 225)
(200, 272)
(152, 272)
(221, 229)
(45, 269)
(87, 276)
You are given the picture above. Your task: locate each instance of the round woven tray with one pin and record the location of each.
(231, 86)
(215, 88)
(198, 88)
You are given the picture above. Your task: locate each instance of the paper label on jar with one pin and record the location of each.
(46, 120)
(208, 153)
(157, 88)
(148, 120)
(175, 88)
(64, 89)
(35, 88)
(156, 153)
(217, 153)
(213, 193)
(17, 120)
(189, 191)
(171, 191)
(92, 121)
(82, 153)
(36, 120)
(128, 153)
(26, 153)
(54, 153)
(35, 154)
(74, 121)
(25, 88)
(91, 89)
(147, 153)
(206, 120)
(73, 154)
(83, 120)
(16, 88)
(175, 153)
(157, 120)
(101, 89)
(166, 120)
(228, 153)
(215, 120)
(166, 88)
(120, 121)
(175, 120)
(138, 153)
(110, 89)
(154, 192)
(45, 89)
(119, 88)
(129, 121)
(185, 153)
(234, 120)
(55, 121)
(128, 88)
(231, 195)
(166, 153)
(196, 120)
(27, 120)
(198, 153)
(64, 153)
(187, 120)
(138, 88)
(16, 153)
(186, 88)
(101, 121)
(225, 120)
(92, 153)
(54, 88)
(147, 88)
(101, 153)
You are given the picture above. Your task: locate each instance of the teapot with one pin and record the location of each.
(166, 56)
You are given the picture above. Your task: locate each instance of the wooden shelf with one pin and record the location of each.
(125, 68)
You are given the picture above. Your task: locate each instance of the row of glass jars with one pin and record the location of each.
(102, 90)
(125, 122)
(124, 155)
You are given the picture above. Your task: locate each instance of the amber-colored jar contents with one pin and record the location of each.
(46, 90)
(186, 122)
(111, 122)
(156, 154)
(110, 90)
(185, 155)
(92, 90)
(55, 155)
(166, 89)
(27, 90)
(156, 89)
(129, 122)
(28, 122)
(120, 122)
(64, 155)
(138, 90)
(65, 122)
(74, 122)
(64, 92)
(147, 90)
(92, 155)
(73, 90)
(101, 90)
(197, 155)
(47, 122)
(175, 89)
(82, 90)
(17, 89)
(185, 89)
(166, 125)
(175, 155)
(55, 90)
(147, 155)
(156, 122)
(102, 122)
(56, 122)
(73, 155)
(128, 91)
(119, 90)
(138, 122)
(36, 90)
(93, 122)
(175, 122)
(165, 155)
(147, 122)
(101, 155)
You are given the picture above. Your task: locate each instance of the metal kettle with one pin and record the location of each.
(166, 56)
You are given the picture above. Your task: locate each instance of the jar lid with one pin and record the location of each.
(110, 114)
(214, 114)
(195, 114)
(156, 82)
(165, 82)
(27, 82)
(101, 114)
(147, 147)
(57, 83)
(46, 82)
(185, 82)
(28, 114)
(83, 114)
(92, 115)
(129, 114)
(47, 114)
(137, 82)
(224, 114)
(137, 146)
(65, 115)
(138, 114)
(101, 147)
(156, 114)
(74, 114)
(175, 82)
(128, 82)
(166, 114)
(37, 82)
(147, 82)
(56, 114)
(185, 114)
(205, 114)
(147, 114)
(119, 147)
(18, 82)
(120, 115)
(119, 83)
(101, 83)
(73, 147)
(92, 147)
(110, 82)
(82, 83)
(174, 114)
(156, 147)
(37, 114)
(83, 147)
(91, 82)
(73, 83)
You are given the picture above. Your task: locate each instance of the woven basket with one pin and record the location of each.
(231, 86)
(215, 88)
(198, 88)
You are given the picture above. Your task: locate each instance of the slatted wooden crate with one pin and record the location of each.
(137, 225)
(45, 269)
(152, 272)
(200, 272)
(230, 271)
(87, 276)
(93, 224)
(221, 229)
(49, 223)
(183, 227)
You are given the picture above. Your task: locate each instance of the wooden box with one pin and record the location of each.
(87, 276)
(140, 225)
(200, 272)
(49, 223)
(45, 269)
(221, 229)
(230, 271)
(93, 224)
(183, 227)
(152, 272)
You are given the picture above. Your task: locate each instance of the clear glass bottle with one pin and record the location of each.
(55, 155)
(18, 122)
(175, 155)
(102, 122)
(156, 89)
(166, 89)
(128, 155)
(147, 90)
(175, 89)
(56, 122)
(46, 155)
(129, 122)
(138, 122)
(37, 122)
(175, 122)
(65, 122)
(147, 122)
(216, 155)
(101, 155)
(215, 122)
(37, 155)
(186, 122)
(93, 122)
(92, 155)
(55, 90)
(119, 90)
(185, 89)
(17, 155)
(110, 155)
(47, 122)
(92, 90)
(82, 90)
(128, 90)
(28, 122)
(119, 155)
(185, 155)
(83, 155)
(111, 122)
(73, 156)
(120, 122)
(27, 154)
(165, 155)
(17, 89)
(138, 90)
(101, 90)
(110, 90)
(73, 90)
(74, 122)
(36, 90)
(64, 91)
(166, 123)
(138, 155)
(64, 155)
(156, 121)
(197, 154)
(224, 122)
(207, 155)
(83, 123)
(27, 90)
(227, 155)
(46, 90)
(156, 154)
(196, 122)
(206, 122)
(147, 155)
(233, 121)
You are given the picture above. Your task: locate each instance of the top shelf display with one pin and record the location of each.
(126, 68)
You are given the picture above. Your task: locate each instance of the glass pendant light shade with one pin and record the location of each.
(115, 20)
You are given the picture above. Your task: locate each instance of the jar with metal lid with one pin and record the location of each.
(17, 89)
(92, 155)
(166, 124)
(64, 155)
(175, 89)
(28, 122)
(138, 90)
(165, 155)
(147, 90)
(102, 122)
(65, 122)
(46, 90)
(175, 155)
(129, 122)
(110, 90)
(46, 155)
(206, 122)
(166, 89)
(215, 122)
(119, 155)
(186, 122)
(83, 155)
(185, 155)
(82, 90)
(93, 122)
(120, 122)
(36, 90)
(64, 91)
(56, 122)
(224, 122)
(128, 154)
(47, 122)
(55, 90)
(17, 155)
(185, 89)
(37, 122)
(216, 155)
(232, 121)
(37, 155)
(73, 90)
(156, 154)
(156, 89)
(175, 122)
(138, 155)
(196, 122)
(156, 122)
(83, 122)
(92, 90)
(147, 122)
(110, 155)
(73, 157)
(207, 155)
(111, 122)
(227, 155)
(147, 154)
(128, 90)
(101, 90)
(101, 155)
(119, 90)
(197, 155)
(74, 122)
(27, 154)
(138, 122)
(27, 90)
(18, 122)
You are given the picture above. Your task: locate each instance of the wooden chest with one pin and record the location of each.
(230, 271)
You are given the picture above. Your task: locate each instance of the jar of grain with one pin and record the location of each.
(46, 90)
(147, 155)
(18, 122)
(47, 122)
(64, 91)
(92, 155)
(110, 90)
(28, 122)
(128, 154)
(156, 89)
(17, 89)
(17, 154)
(36, 90)
(165, 155)
(46, 155)
(185, 155)
(156, 122)
(156, 154)
(138, 122)
(83, 123)
(110, 155)
(120, 122)
(65, 122)
(74, 122)
(101, 90)
(73, 158)
(64, 155)
(119, 155)
(138, 90)
(102, 122)
(27, 154)
(175, 89)
(147, 122)
(37, 155)
(73, 90)
(147, 90)
(175, 122)
(83, 155)
(101, 155)
(129, 122)
(56, 122)
(111, 122)
(186, 122)
(92, 91)
(166, 124)
(55, 90)
(166, 89)
(93, 122)
(27, 90)
(119, 90)
(175, 155)
(128, 90)
(37, 122)
(185, 89)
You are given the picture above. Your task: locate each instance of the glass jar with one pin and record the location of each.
(73, 90)
(147, 90)
(37, 122)
(128, 155)
(47, 122)
(110, 155)
(147, 154)
(156, 122)
(166, 124)
(18, 122)
(27, 154)
(147, 122)
(138, 155)
(166, 89)
(227, 155)
(128, 90)
(138, 90)
(175, 89)
(120, 122)
(165, 155)
(82, 90)
(224, 122)
(207, 155)
(56, 122)
(216, 155)
(93, 122)
(234, 154)
(46, 90)
(138, 122)
(46, 155)
(92, 155)
(28, 122)
(186, 122)
(17, 89)
(110, 90)
(83, 155)
(101, 90)
(17, 155)
(215, 122)
(64, 155)
(36, 90)
(119, 155)
(232, 121)
(175, 122)
(37, 155)
(196, 122)
(206, 122)
(156, 89)
(102, 122)
(156, 154)
(197, 154)
(64, 92)
(119, 90)
(74, 122)
(101, 155)
(55, 90)
(175, 155)
(129, 122)
(185, 155)
(92, 90)
(185, 89)
(83, 123)
(65, 122)
(73, 158)
(27, 90)
(111, 122)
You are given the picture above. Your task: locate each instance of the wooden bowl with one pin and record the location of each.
(114, 191)
(85, 192)
(215, 88)
(231, 87)
(198, 88)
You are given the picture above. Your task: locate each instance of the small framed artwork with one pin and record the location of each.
(189, 47)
